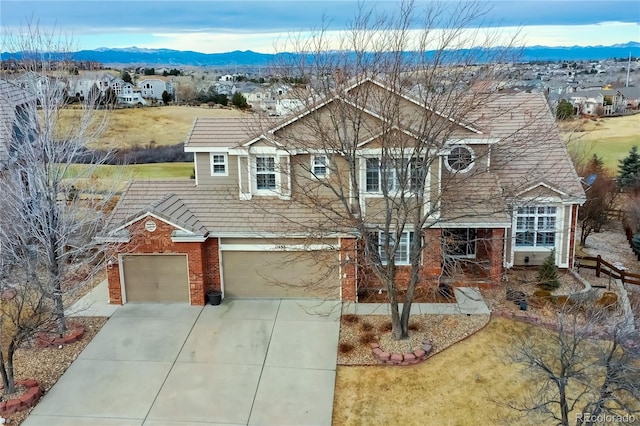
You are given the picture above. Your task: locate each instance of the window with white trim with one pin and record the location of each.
(266, 173)
(219, 164)
(387, 175)
(402, 251)
(536, 226)
(460, 159)
(320, 166)
(460, 242)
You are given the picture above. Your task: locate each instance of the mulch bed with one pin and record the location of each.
(46, 365)
(423, 294)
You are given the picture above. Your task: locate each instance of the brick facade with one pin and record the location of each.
(430, 269)
(495, 253)
(202, 258)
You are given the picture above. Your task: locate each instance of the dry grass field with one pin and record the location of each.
(458, 386)
(610, 138)
(165, 125)
(470, 383)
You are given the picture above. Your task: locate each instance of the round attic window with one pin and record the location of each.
(150, 225)
(460, 159)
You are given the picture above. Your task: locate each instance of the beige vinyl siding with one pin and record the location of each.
(305, 183)
(318, 130)
(203, 161)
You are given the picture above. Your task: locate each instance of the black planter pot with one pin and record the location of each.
(214, 297)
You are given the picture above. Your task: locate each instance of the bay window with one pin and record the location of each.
(536, 226)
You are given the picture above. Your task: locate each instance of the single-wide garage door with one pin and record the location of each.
(257, 274)
(156, 278)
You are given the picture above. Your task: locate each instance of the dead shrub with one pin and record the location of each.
(608, 300)
(366, 326)
(414, 326)
(386, 327)
(350, 319)
(562, 300)
(367, 338)
(542, 294)
(345, 348)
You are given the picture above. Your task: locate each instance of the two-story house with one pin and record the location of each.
(262, 218)
(152, 88)
(130, 95)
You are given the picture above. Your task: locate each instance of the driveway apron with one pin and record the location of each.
(245, 362)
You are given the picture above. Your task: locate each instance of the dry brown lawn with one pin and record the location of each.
(165, 125)
(455, 387)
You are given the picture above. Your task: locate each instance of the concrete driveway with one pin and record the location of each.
(249, 362)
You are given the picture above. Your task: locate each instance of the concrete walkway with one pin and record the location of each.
(245, 362)
(468, 301)
(93, 304)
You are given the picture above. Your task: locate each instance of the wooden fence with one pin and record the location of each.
(616, 214)
(603, 267)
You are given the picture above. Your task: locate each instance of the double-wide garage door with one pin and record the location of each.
(156, 278)
(260, 274)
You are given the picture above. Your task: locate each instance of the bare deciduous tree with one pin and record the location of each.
(408, 83)
(587, 370)
(601, 196)
(58, 208)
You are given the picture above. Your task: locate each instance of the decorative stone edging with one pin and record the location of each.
(44, 340)
(411, 358)
(533, 319)
(28, 400)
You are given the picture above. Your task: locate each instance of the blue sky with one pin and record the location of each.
(219, 26)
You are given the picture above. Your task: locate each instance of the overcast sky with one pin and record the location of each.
(220, 26)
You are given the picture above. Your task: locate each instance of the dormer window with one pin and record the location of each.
(460, 159)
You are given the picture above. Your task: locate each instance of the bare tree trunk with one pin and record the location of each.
(564, 406)
(6, 370)
(8, 382)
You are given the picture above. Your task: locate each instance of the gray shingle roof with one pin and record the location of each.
(210, 209)
(529, 151)
(219, 132)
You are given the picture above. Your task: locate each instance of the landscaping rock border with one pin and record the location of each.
(412, 358)
(534, 319)
(28, 400)
(44, 340)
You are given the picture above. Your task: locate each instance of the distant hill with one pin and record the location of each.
(168, 57)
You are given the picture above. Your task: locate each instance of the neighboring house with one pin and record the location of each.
(224, 88)
(254, 94)
(130, 95)
(241, 227)
(602, 102)
(286, 106)
(16, 104)
(152, 88)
